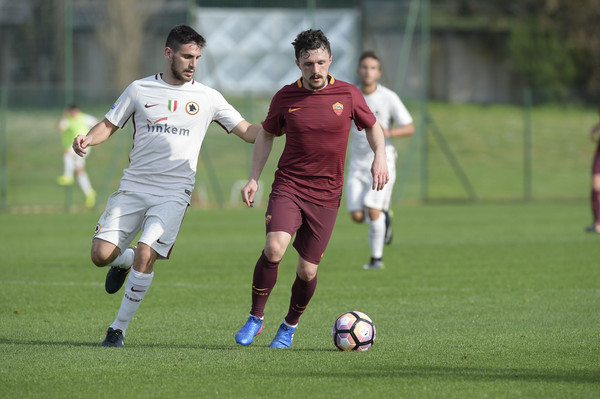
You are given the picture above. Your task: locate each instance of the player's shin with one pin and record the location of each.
(302, 292)
(265, 277)
(135, 289)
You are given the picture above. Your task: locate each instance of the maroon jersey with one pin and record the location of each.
(316, 125)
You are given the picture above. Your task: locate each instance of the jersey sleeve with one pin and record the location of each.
(274, 123)
(361, 113)
(124, 107)
(399, 113)
(224, 113)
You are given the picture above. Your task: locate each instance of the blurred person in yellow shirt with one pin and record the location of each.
(72, 123)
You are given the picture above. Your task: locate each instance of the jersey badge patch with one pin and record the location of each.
(192, 108)
(338, 108)
(172, 105)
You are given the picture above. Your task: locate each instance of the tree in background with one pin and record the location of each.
(580, 22)
(553, 43)
(122, 35)
(542, 58)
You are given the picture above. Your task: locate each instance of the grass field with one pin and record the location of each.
(476, 301)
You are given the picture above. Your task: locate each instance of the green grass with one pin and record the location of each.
(485, 300)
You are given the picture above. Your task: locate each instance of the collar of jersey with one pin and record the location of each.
(329, 77)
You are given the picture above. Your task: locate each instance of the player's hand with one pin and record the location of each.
(380, 172)
(80, 143)
(248, 192)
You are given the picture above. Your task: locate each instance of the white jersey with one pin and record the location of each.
(169, 124)
(389, 111)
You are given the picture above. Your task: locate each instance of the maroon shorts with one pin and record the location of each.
(312, 223)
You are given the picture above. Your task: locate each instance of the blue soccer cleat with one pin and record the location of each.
(284, 337)
(251, 329)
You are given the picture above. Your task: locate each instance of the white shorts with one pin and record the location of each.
(78, 162)
(359, 187)
(127, 213)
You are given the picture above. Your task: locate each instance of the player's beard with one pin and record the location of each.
(179, 75)
(313, 87)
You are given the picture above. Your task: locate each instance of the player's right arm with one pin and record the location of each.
(262, 148)
(97, 135)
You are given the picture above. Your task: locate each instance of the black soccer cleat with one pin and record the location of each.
(592, 229)
(115, 278)
(389, 233)
(114, 338)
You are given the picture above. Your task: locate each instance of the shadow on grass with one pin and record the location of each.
(199, 346)
(97, 344)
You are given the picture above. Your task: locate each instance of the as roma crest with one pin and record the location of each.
(338, 108)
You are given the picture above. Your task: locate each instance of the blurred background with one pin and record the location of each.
(503, 94)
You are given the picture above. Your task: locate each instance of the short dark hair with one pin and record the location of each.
(183, 34)
(368, 54)
(310, 40)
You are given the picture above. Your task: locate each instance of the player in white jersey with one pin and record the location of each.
(170, 112)
(364, 204)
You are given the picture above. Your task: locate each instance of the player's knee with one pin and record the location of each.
(357, 216)
(374, 214)
(144, 260)
(102, 254)
(274, 251)
(596, 182)
(98, 258)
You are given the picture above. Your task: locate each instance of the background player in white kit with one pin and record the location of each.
(363, 203)
(171, 113)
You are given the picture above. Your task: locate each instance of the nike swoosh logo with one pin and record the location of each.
(134, 290)
(293, 109)
(160, 242)
(150, 105)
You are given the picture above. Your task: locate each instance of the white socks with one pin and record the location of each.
(289, 325)
(125, 260)
(68, 164)
(135, 289)
(84, 182)
(377, 236)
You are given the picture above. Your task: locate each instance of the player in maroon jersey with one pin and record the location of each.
(315, 114)
(595, 197)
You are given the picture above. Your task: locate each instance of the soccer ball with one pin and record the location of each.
(353, 331)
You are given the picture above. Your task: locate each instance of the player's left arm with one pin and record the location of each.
(379, 169)
(400, 131)
(246, 131)
(402, 120)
